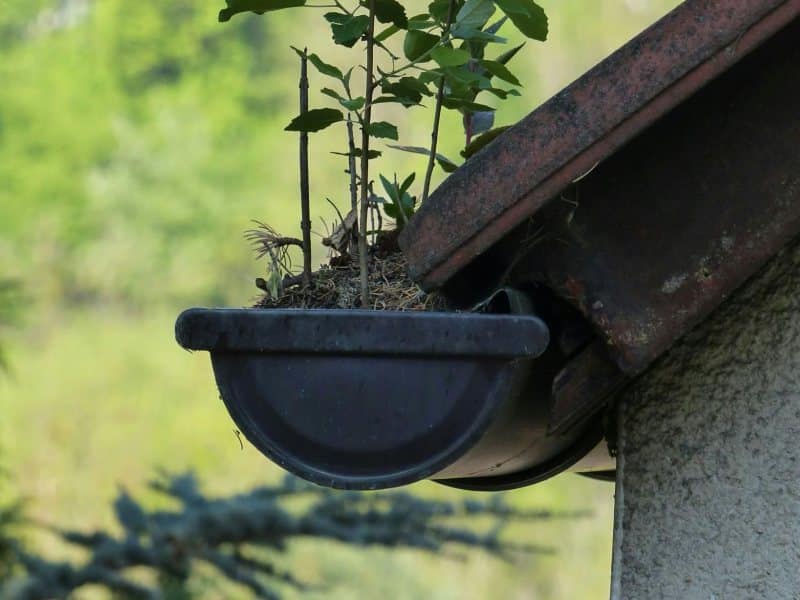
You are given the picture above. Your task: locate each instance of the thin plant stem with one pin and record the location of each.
(427, 54)
(351, 166)
(367, 119)
(437, 113)
(373, 210)
(305, 223)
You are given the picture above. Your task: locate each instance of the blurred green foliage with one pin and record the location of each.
(10, 307)
(125, 136)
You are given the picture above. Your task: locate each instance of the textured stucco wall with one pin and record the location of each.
(708, 483)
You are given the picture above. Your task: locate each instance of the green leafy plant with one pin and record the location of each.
(400, 204)
(443, 55)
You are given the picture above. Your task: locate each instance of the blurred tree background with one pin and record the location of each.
(137, 140)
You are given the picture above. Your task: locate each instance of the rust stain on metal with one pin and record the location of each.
(698, 182)
(588, 121)
(582, 388)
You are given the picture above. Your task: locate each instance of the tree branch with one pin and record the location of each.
(305, 223)
(437, 112)
(367, 120)
(351, 167)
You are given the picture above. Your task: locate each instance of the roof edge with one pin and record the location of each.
(580, 126)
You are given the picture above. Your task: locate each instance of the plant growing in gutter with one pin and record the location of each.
(444, 56)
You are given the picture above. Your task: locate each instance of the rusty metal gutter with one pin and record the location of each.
(582, 125)
(667, 226)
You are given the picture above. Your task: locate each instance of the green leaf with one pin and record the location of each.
(527, 16)
(509, 54)
(465, 105)
(354, 104)
(398, 89)
(499, 92)
(407, 90)
(315, 120)
(500, 71)
(347, 29)
(476, 42)
(336, 17)
(430, 76)
(257, 6)
(391, 190)
(382, 129)
(418, 43)
(325, 68)
(473, 15)
(357, 153)
(391, 210)
(407, 204)
(395, 100)
(448, 166)
(407, 182)
(495, 27)
(450, 57)
(386, 33)
(438, 9)
(475, 36)
(460, 90)
(422, 21)
(463, 75)
(412, 83)
(481, 141)
(332, 93)
(401, 206)
(391, 11)
(322, 66)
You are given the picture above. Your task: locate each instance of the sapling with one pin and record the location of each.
(443, 60)
(437, 112)
(305, 201)
(366, 123)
